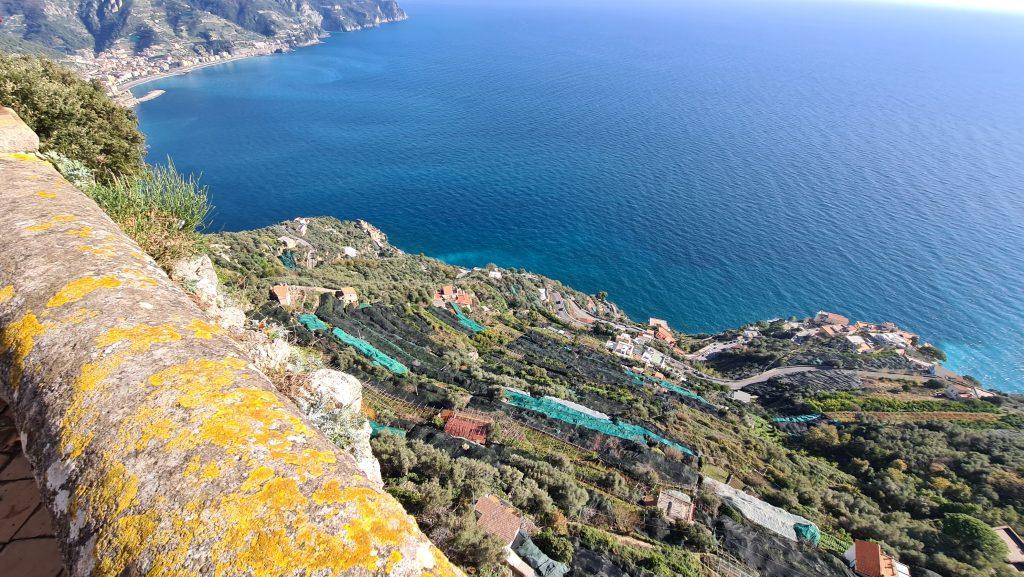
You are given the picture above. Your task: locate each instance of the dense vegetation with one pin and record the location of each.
(96, 144)
(73, 117)
(905, 484)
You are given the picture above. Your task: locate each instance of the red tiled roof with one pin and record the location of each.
(497, 520)
(472, 429)
(871, 561)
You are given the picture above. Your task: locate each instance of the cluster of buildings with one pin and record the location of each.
(638, 347)
(119, 67)
(862, 336)
(449, 294)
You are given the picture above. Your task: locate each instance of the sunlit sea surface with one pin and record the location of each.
(712, 164)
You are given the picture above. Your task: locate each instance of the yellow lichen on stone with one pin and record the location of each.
(211, 471)
(82, 231)
(104, 250)
(78, 316)
(22, 156)
(51, 222)
(394, 559)
(202, 329)
(139, 278)
(79, 288)
(46, 194)
(140, 337)
(6, 293)
(278, 519)
(18, 338)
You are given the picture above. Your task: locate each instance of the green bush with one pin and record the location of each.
(162, 210)
(73, 117)
(974, 540)
(843, 401)
(558, 548)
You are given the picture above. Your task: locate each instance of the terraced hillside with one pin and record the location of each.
(483, 383)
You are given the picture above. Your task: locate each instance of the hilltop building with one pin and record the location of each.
(868, 560)
(506, 525)
(676, 506)
(465, 427)
(825, 318)
(348, 295)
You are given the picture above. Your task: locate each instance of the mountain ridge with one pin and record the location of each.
(121, 40)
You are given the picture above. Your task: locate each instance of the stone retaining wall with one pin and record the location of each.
(158, 448)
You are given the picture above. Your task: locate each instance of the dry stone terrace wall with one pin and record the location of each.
(158, 448)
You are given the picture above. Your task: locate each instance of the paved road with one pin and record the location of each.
(780, 371)
(770, 373)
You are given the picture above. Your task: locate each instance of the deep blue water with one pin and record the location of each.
(713, 164)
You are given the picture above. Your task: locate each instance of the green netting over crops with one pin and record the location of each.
(377, 428)
(807, 532)
(287, 258)
(797, 419)
(312, 322)
(466, 321)
(639, 379)
(369, 350)
(573, 416)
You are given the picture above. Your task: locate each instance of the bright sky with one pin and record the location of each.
(989, 5)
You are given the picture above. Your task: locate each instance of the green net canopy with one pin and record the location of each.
(580, 416)
(807, 532)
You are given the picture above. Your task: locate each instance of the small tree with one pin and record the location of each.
(72, 116)
(973, 539)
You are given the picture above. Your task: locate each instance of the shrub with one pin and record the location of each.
(933, 352)
(975, 539)
(73, 117)
(558, 548)
(162, 210)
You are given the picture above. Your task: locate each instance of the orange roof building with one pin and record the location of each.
(467, 428)
(868, 560)
(452, 294)
(497, 520)
(825, 318)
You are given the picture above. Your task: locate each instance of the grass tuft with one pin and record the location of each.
(163, 210)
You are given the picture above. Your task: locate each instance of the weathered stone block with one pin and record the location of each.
(15, 136)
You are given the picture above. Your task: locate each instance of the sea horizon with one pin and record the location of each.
(701, 168)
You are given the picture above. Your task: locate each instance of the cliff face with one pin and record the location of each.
(202, 26)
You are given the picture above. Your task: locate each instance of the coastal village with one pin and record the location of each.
(591, 338)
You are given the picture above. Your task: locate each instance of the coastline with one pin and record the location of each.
(123, 94)
(128, 86)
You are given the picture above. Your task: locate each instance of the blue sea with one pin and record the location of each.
(711, 163)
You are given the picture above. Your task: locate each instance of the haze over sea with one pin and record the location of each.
(709, 163)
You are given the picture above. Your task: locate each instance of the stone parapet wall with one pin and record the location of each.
(158, 448)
